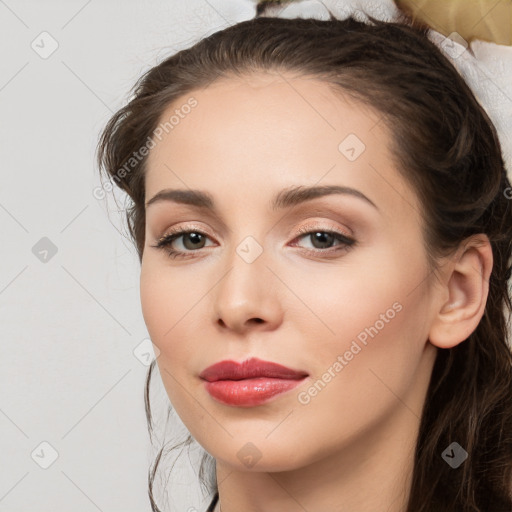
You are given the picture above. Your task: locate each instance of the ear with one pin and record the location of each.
(464, 293)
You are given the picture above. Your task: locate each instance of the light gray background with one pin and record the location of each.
(70, 325)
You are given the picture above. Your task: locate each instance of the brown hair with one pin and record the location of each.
(445, 145)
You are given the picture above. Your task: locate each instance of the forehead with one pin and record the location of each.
(252, 109)
(272, 130)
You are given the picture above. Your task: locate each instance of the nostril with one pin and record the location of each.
(255, 320)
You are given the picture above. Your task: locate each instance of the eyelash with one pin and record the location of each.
(165, 242)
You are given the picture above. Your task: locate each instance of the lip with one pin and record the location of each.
(249, 383)
(249, 369)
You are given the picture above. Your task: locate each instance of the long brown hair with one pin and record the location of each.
(445, 145)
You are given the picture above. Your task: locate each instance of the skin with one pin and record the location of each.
(351, 447)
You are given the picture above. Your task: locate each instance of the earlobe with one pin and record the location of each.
(467, 288)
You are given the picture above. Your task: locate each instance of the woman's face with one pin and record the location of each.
(352, 310)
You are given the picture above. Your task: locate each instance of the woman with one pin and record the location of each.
(323, 220)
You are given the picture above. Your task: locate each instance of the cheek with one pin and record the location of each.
(366, 331)
(374, 317)
(167, 308)
(360, 377)
(154, 301)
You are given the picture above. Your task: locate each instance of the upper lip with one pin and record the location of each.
(251, 368)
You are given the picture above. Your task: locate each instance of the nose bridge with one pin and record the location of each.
(246, 253)
(247, 274)
(245, 290)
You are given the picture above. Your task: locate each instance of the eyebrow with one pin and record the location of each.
(286, 198)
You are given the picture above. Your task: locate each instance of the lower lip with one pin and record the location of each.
(249, 392)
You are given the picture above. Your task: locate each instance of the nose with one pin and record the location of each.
(248, 296)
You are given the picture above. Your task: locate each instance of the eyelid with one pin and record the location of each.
(304, 229)
(318, 226)
(186, 227)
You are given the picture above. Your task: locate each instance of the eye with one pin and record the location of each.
(323, 238)
(194, 239)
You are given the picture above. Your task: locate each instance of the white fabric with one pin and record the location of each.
(488, 74)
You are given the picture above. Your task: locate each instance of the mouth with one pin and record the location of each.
(249, 369)
(250, 383)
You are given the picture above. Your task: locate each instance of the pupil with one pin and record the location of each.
(195, 237)
(323, 238)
